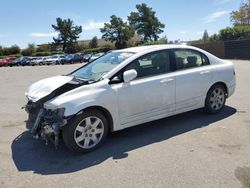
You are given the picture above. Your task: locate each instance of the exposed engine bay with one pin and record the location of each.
(45, 123)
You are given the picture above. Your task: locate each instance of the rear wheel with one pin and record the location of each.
(216, 98)
(85, 132)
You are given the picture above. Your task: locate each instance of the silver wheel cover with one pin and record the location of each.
(217, 99)
(89, 132)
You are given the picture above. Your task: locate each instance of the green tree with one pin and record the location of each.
(68, 33)
(93, 43)
(146, 23)
(214, 37)
(31, 47)
(43, 48)
(235, 33)
(241, 16)
(162, 40)
(117, 31)
(26, 52)
(205, 36)
(14, 49)
(30, 50)
(80, 46)
(1, 50)
(6, 51)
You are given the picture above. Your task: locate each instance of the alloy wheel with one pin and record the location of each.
(89, 132)
(217, 99)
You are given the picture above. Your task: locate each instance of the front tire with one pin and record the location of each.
(216, 98)
(85, 132)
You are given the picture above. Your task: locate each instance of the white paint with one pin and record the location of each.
(44, 87)
(145, 99)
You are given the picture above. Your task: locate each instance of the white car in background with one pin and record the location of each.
(125, 88)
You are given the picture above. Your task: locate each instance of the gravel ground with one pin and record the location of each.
(188, 150)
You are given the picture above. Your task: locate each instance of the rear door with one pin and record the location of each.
(193, 77)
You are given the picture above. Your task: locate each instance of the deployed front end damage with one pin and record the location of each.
(44, 122)
(48, 124)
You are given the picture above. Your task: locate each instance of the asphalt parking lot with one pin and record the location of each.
(188, 150)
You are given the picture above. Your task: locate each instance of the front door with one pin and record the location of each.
(151, 95)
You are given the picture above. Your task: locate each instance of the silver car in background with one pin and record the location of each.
(54, 59)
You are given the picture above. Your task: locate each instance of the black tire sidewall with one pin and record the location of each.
(69, 130)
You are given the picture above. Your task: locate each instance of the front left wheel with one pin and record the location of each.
(85, 132)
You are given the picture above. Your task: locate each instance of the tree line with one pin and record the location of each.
(142, 27)
(142, 24)
(240, 30)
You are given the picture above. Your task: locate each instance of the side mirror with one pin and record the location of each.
(129, 75)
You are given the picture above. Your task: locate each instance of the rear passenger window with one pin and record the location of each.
(185, 59)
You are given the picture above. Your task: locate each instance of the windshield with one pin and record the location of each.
(20, 59)
(69, 56)
(99, 67)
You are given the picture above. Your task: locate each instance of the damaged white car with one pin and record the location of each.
(124, 88)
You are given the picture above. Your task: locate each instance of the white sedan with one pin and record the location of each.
(125, 88)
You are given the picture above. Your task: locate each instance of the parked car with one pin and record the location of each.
(3, 62)
(17, 61)
(125, 88)
(38, 61)
(7, 61)
(10, 60)
(86, 57)
(68, 59)
(95, 56)
(26, 61)
(77, 58)
(54, 59)
(72, 58)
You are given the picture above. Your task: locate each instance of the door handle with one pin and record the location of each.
(165, 81)
(204, 72)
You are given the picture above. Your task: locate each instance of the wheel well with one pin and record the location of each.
(105, 112)
(222, 84)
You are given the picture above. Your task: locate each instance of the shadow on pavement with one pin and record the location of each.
(32, 155)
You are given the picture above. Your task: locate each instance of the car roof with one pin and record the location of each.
(154, 47)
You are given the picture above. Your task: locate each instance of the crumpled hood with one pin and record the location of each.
(46, 86)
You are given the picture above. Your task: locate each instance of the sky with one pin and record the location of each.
(29, 21)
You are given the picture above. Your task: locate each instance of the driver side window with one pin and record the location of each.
(151, 64)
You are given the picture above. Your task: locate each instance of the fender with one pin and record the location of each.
(97, 94)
